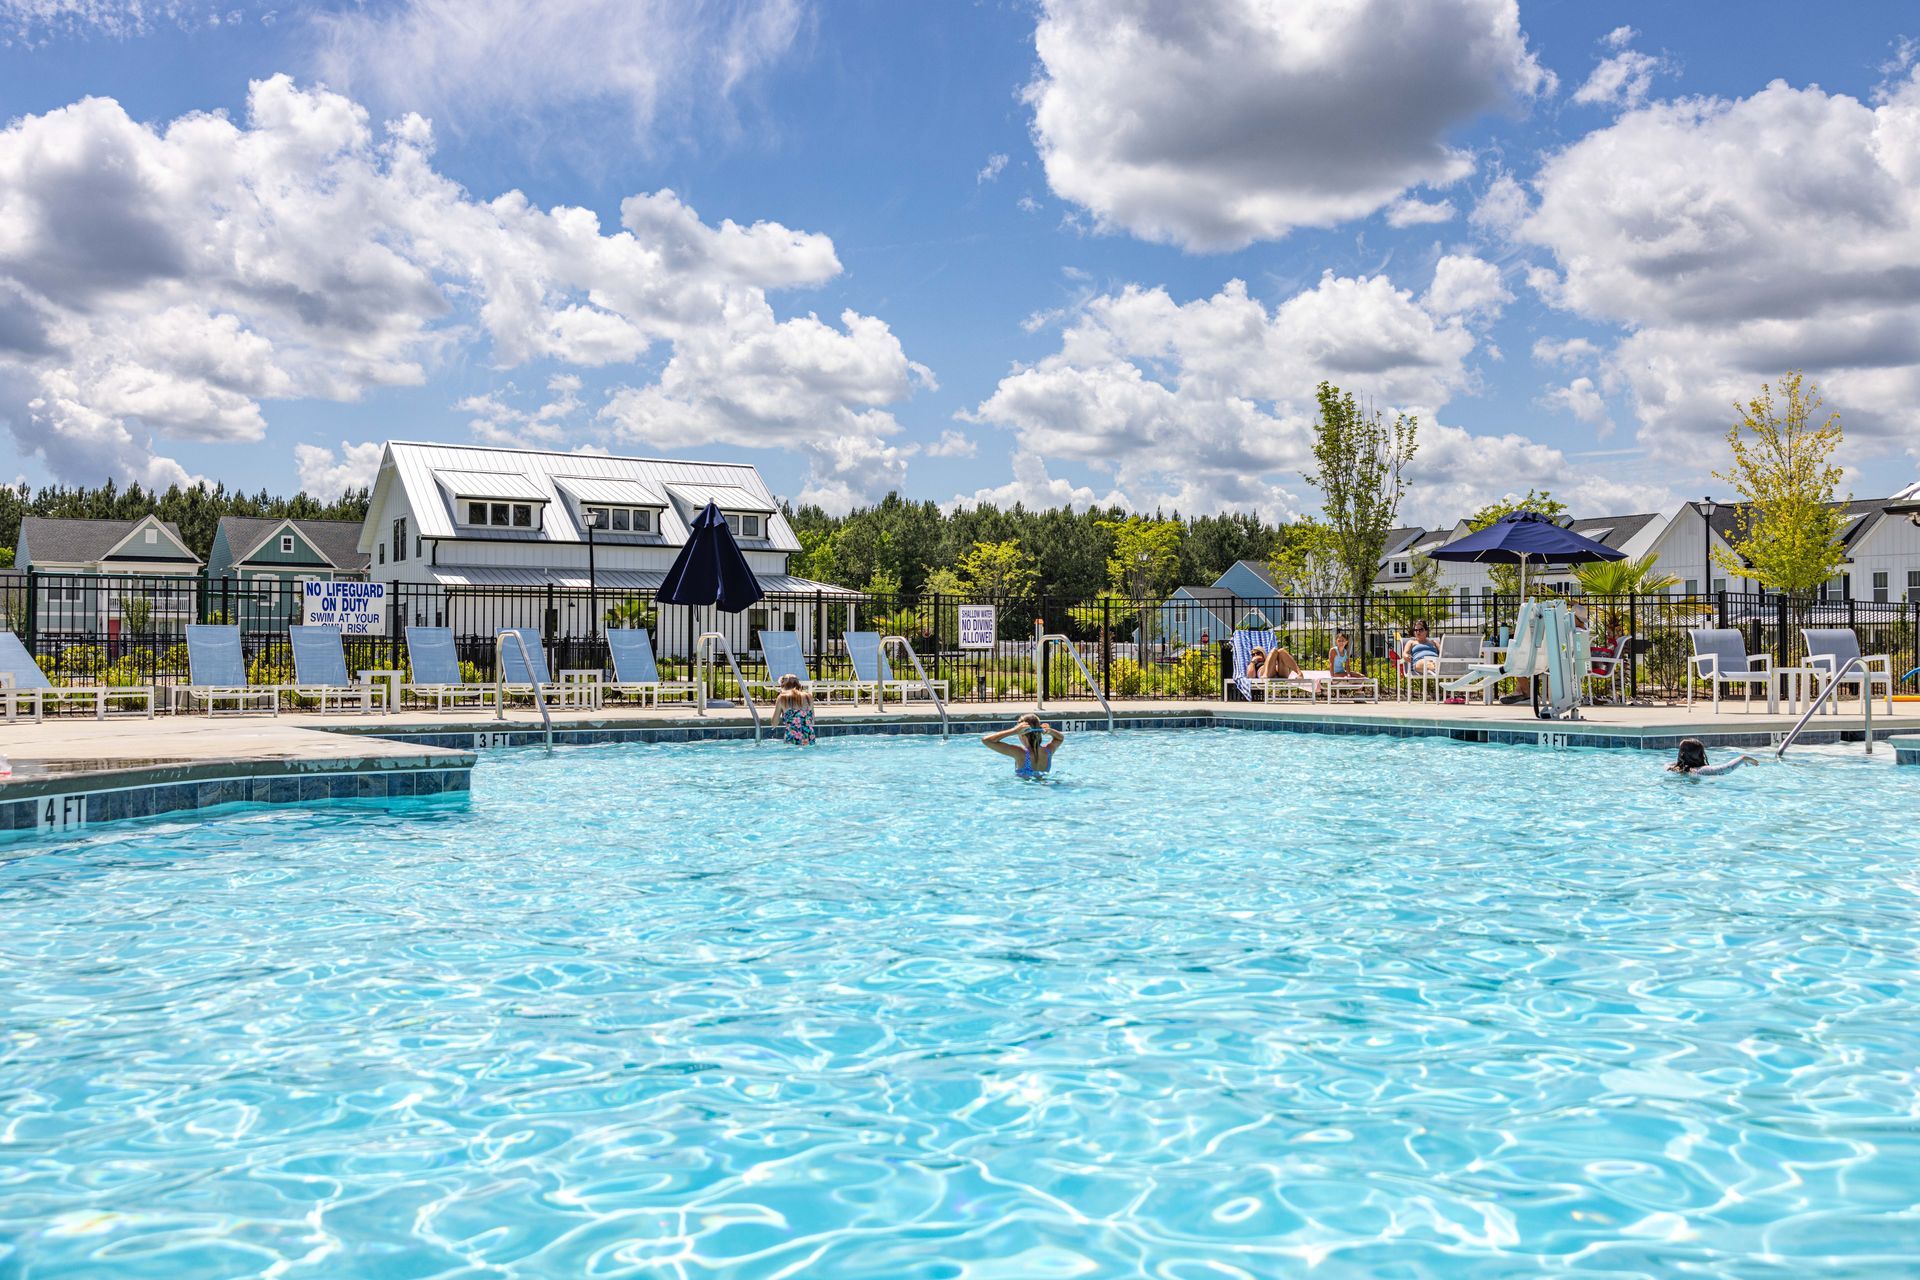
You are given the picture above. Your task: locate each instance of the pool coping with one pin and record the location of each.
(443, 755)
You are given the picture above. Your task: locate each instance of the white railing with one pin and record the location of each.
(703, 652)
(500, 681)
(1831, 690)
(925, 682)
(1040, 674)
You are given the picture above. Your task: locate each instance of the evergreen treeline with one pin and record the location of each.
(196, 510)
(898, 544)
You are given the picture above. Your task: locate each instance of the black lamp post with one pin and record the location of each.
(1706, 507)
(593, 582)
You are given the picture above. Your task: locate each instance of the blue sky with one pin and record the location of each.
(1016, 224)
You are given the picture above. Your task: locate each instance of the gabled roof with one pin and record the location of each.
(1259, 570)
(1613, 531)
(55, 541)
(556, 478)
(1207, 595)
(1860, 514)
(337, 541)
(1399, 540)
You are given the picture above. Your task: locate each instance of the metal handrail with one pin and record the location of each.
(932, 693)
(1830, 690)
(1040, 674)
(701, 652)
(500, 681)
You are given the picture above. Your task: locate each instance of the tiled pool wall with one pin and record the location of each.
(55, 805)
(1555, 734)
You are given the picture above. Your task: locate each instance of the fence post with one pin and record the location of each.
(33, 611)
(1360, 630)
(1631, 646)
(1106, 646)
(1781, 630)
(1723, 608)
(819, 627)
(396, 611)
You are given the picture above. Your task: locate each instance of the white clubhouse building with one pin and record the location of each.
(462, 527)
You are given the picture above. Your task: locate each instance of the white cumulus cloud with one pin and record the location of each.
(1734, 239)
(165, 282)
(326, 474)
(1463, 283)
(1214, 123)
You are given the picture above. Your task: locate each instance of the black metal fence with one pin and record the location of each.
(130, 630)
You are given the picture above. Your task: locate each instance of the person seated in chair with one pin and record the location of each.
(1422, 655)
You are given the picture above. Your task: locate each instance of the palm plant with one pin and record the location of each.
(1609, 582)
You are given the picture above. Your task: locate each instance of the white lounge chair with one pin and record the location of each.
(217, 673)
(1831, 648)
(520, 680)
(436, 671)
(1720, 658)
(784, 657)
(871, 668)
(635, 672)
(320, 671)
(1244, 643)
(27, 686)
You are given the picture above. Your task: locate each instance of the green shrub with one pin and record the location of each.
(1193, 675)
(1125, 679)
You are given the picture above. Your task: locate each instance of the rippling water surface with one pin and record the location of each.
(1210, 1005)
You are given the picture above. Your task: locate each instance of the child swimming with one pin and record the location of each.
(1692, 761)
(1030, 744)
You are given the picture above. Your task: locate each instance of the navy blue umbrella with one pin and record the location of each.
(1523, 537)
(710, 568)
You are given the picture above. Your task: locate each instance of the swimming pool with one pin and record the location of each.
(1211, 1004)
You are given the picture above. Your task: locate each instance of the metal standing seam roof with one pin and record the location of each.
(414, 464)
(507, 486)
(628, 493)
(727, 497)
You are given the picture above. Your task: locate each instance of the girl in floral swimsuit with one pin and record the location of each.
(793, 710)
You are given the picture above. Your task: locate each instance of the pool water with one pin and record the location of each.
(1211, 1004)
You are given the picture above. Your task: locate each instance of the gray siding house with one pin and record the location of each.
(256, 563)
(82, 563)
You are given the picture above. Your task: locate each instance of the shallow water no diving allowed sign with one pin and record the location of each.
(977, 628)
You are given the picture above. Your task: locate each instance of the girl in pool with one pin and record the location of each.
(1030, 744)
(1692, 761)
(793, 711)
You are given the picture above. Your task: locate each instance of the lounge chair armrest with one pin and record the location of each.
(1822, 662)
(1705, 664)
(1881, 663)
(1760, 662)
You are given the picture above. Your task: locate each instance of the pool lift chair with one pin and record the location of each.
(1544, 643)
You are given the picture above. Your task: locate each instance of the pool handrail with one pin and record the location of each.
(500, 679)
(740, 682)
(925, 682)
(1831, 690)
(1040, 673)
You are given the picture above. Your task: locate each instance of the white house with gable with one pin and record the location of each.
(482, 538)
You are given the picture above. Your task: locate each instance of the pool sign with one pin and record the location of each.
(357, 608)
(977, 630)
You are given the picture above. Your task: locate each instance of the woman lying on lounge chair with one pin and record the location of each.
(1278, 665)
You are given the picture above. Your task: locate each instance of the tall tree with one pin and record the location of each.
(1361, 460)
(1307, 562)
(997, 569)
(1787, 530)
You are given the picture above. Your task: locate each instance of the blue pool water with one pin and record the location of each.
(1214, 1004)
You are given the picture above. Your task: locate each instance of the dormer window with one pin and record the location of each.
(607, 519)
(746, 524)
(500, 515)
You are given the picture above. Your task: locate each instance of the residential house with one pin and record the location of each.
(481, 538)
(105, 578)
(257, 563)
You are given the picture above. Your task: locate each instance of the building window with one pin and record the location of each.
(382, 553)
(745, 524)
(1466, 594)
(266, 590)
(619, 519)
(418, 543)
(1400, 568)
(757, 619)
(1692, 587)
(1880, 586)
(286, 544)
(1719, 584)
(500, 515)
(1913, 584)
(399, 539)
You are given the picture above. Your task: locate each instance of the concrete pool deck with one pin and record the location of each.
(74, 771)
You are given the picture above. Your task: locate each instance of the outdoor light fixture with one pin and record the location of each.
(1706, 507)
